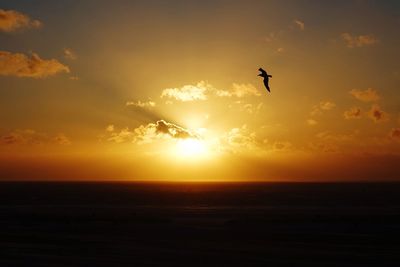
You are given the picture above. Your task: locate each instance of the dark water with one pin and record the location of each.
(214, 224)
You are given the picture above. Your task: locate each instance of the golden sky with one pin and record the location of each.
(168, 90)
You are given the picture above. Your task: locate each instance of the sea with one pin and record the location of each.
(199, 224)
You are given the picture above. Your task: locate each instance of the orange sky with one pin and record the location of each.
(154, 90)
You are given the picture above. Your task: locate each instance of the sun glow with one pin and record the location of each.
(191, 147)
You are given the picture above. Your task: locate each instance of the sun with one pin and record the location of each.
(191, 147)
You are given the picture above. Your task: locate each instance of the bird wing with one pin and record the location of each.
(266, 84)
(263, 72)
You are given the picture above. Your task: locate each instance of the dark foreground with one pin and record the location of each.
(134, 224)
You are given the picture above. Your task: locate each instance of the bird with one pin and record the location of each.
(266, 77)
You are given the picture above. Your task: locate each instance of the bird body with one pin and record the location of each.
(266, 77)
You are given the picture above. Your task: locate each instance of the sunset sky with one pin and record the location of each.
(168, 90)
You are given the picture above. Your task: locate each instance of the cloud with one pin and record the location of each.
(352, 113)
(322, 106)
(110, 128)
(273, 37)
(252, 109)
(328, 136)
(61, 139)
(202, 90)
(238, 139)
(312, 122)
(11, 20)
(69, 54)
(21, 137)
(395, 134)
(368, 95)
(124, 135)
(239, 90)
(359, 41)
(243, 140)
(188, 92)
(147, 104)
(323, 147)
(327, 105)
(20, 65)
(148, 133)
(145, 134)
(31, 137)
(247, 107)
(377, 114)
(282, 146)
(300, 24)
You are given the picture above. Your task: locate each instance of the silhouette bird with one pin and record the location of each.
(266, 77)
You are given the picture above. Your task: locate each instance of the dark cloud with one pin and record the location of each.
(21, 65)
(31, 137)
(377, 114)
(175, 131)
(11, 20)
(395, 134)
(148, 133)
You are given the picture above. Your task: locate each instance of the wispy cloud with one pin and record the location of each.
(282, 146)
(368, 95)
(311, 122)
(20, 65)
(12, 20)
(322, 106)
(273, 36)
(203, 90)
(121, 136)
(335, 138)
(70, 54)
(327, 105)
(352, 113)
(146, 104)
(323, 147)
(300, 24)
(353, 41)
(252, 108)
(239, 90)
(238, 139)
(110, 128)
(244, 140)
(61, 139)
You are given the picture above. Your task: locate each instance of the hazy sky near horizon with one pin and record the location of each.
(168, 90)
